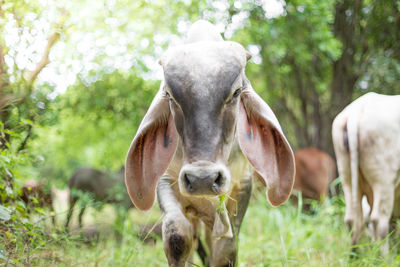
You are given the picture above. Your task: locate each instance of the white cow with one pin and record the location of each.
(366, 138)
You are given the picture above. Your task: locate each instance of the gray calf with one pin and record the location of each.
(103, 187)
(203, 138)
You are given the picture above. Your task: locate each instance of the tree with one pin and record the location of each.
(365, 28)
(317, 56)
(96, 123)
(19, 98)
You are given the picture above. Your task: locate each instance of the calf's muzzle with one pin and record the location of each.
(204, 179)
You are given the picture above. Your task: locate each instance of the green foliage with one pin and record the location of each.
(314, 51)
(18, 235)
(296, 53)
(106, 58)
(97, 123)
(381, 76)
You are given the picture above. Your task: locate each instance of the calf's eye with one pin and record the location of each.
(235, 95)
(237, 92)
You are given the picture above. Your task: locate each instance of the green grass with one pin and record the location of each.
(270, 236)
(283, 236)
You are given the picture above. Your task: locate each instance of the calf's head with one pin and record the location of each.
(207, 101)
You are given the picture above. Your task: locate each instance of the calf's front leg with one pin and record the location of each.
(177, 231)
(224, 250)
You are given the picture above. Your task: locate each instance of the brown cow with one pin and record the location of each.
(37, 189)
(315, 170)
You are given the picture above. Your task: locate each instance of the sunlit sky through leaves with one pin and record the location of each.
(87, 48)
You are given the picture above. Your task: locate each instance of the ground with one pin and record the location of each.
(270, 236)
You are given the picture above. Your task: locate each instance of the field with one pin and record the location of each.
(77, 78)
(283, 236)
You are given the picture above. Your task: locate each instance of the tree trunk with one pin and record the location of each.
(345, 74)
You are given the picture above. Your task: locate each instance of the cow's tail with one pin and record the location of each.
(352, 135)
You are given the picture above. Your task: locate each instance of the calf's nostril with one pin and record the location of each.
(218, 180)
(217, 183)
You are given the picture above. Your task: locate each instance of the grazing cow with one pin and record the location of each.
(204, 128)
(315, 170)
(37, 189)
(102, 187)
(366, 138)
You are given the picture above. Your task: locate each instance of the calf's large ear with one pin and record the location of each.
(150, 152)
(265, 146)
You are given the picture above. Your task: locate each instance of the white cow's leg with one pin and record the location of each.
(345, 178)
(381, 213)
(353, 217)
(348, 217)
(358, 220)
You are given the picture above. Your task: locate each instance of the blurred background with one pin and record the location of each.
(76, 78)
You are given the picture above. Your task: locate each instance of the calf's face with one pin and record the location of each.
(203, 84)
(206, 101)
